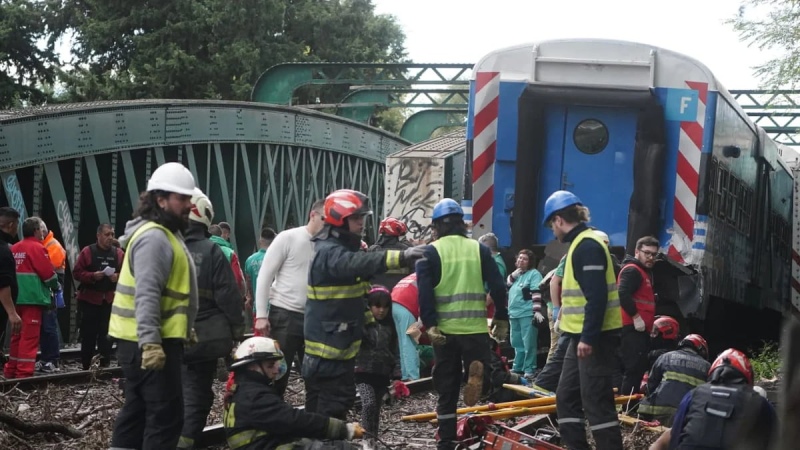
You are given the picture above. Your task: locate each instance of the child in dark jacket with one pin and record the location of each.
(378, 360)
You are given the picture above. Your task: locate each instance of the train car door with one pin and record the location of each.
(589, 151)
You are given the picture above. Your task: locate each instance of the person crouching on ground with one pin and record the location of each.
(257, 418)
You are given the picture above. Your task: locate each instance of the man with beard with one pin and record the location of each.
(153, 312)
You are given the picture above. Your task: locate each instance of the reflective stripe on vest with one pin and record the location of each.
(573, 303)
(174, 297)
(460, 298)
(644, 298)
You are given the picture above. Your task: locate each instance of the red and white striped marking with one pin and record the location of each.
(484, 149)
(690, 146)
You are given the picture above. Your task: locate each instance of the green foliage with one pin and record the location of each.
(26, 57)
(766, 362)
(772, 25)
(212, 49)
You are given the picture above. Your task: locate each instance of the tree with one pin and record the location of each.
(27, 58)
(768, 25)
(212, 48)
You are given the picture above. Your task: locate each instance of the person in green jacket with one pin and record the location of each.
(230, 254)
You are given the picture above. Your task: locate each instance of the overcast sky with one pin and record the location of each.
(462, 31)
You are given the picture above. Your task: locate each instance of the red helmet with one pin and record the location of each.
(696, 343)
(341, 204)
(736, 359)
(667, 327)
(393, 227)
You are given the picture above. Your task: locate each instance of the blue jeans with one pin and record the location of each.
(48, 341)
(409, 358)
(524, 337)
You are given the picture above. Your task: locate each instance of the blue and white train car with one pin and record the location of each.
(654, 145)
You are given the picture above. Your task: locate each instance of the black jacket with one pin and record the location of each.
(255, 406)
(499, 374)
(380, 351)
(672, 376)
(219, 314)
(391, 277)
(8, 267)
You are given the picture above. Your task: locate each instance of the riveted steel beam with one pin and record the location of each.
(419, 127)
(776, 111)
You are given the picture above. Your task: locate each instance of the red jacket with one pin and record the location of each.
(405, 293)
(94, 291)
(35, 274)
(644, 298)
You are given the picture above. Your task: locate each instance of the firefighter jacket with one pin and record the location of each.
(35, 274)
(380, 351)
(160, 303)
(636, 295)
(257, 418)
(672, 376)
(94, 259)
(450, 279)
(718, 414)
(219, 313)
(589, 300)
(337, 287)
(391, 277)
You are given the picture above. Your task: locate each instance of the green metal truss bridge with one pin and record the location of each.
(262, 163)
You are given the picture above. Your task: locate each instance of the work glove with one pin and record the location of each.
(400, 390)
(412, 254)
(538, 317)
(355, 431)
(638, 323)
(499, 329)
(192, 338)
(524, 381)
(436, 336)
(153, 357)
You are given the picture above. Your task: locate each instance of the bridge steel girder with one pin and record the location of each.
(261, 165)
(419, 126)
(278, 83)
(361, 104)
(776, 111)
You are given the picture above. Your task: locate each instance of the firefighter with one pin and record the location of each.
(638, 302)
(672, 376)
(153, 312)
(590, 316)
(257, 418)
(452, 305)
(219, 320)
(336, 308)
(724, 413)
(391, 237)
(663, 338)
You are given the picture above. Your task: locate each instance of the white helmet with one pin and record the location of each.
(202, 210)
(259, 348)
(603, 236)
(172, 177)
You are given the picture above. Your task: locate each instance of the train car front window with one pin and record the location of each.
(590, 136)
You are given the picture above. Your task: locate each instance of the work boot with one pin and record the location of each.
(472, 393)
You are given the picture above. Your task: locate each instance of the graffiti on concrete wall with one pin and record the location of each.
(413, 186)
(68, 232)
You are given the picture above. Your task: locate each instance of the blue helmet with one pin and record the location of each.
(446, 207)
(557, 201)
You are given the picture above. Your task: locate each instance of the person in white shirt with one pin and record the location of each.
(282, 286)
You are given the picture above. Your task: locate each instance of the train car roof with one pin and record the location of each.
(601, 63)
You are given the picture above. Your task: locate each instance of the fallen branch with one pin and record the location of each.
(41, 427)
(86, 413)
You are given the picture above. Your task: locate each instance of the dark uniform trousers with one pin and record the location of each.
(198, 398)
(286, 327)
(551, 373)
(94, 332)
(586, 390)
(330, 386)
(152, 416)
(634, 348)
(451, 358)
